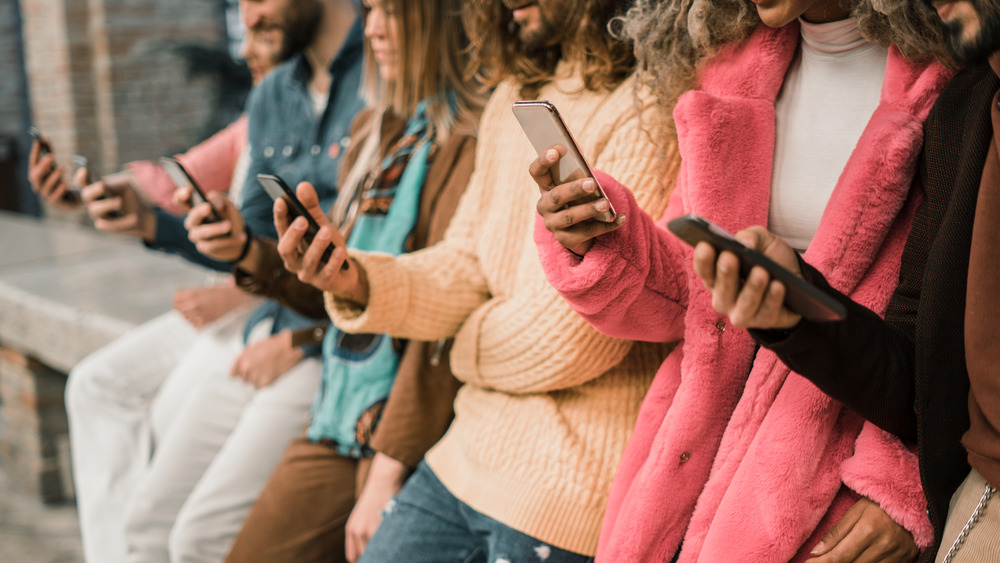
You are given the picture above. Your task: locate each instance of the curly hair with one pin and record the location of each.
(675, 38)
(606, 59)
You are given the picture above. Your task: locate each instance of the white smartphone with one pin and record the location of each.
(545, 128)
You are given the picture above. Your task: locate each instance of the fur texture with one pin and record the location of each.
(731, 453)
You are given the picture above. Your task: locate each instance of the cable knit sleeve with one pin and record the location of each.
(424, 295)
(521, 351)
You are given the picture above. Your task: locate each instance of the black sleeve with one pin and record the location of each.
(862, 361)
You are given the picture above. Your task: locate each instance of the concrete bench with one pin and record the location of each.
(65, 291)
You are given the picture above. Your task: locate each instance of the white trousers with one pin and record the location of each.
(214, 441)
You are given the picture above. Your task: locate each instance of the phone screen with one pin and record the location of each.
(545, 128)
(277, 188)
(800, 296)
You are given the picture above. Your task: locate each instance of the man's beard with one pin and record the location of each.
(539, 40)
(984, 44)
(301, 23)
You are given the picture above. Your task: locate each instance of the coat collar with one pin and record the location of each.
(728, 177)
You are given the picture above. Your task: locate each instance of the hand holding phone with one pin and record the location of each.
(545, 129)
(47, 180)
(182, 179)
(801, 297)
(278, 189)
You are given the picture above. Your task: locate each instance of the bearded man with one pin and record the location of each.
(548, 403)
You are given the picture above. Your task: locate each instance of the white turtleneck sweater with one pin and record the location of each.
(829, 94)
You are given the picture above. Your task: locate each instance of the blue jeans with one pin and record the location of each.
(427, 524)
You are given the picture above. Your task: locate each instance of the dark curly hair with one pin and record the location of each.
(604, 59)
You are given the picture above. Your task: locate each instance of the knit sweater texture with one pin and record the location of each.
(548, 403)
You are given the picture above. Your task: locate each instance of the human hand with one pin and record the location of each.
(204, 305)
(48, 180)
(759, 301)
(306, 259)
(569, 210)
(115, 206)
(865, 534)
(385, 479)
(262, 362)
(221, 240)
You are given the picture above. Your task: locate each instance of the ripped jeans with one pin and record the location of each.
(427, 524)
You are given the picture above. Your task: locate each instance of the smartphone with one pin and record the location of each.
(181, 178)
(43, 143)
(800, 296)
(277, 188)
(545, 128)
(72, 193)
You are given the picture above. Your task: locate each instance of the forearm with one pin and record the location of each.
(425, 295)
(862, 361)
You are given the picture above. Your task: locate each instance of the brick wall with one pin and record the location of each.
(34, 443)
(13, 112)
(104, 81)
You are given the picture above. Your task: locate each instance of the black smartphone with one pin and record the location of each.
(277, 188)
(545, 128)
(181, 178)
(800, 296)
(43, 143)
(72, 194)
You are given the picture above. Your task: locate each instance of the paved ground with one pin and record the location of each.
(31, 532)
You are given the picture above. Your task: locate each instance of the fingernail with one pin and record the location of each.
(601, 205)
(817, 550)
(323, 235)
(620, 219)
(552, 155)
(589, 186)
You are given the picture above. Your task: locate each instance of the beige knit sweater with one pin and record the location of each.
(548, 403)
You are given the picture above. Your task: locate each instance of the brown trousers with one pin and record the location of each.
(302, 512)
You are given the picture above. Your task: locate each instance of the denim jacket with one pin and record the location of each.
(289, 140)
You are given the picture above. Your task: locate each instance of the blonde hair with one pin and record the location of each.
(433, 52)
(674, 39)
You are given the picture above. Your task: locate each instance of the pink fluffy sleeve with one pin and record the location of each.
(631, 284)
(211, 163)
(886, 471)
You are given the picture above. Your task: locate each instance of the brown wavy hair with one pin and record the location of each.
(675, 38)
(605, 58)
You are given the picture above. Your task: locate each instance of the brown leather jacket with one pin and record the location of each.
(420, 406)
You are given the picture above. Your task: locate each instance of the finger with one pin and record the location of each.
(82, 176)
(307, 195)
(727, 283)
(36, 149)
(40, 172)
(840, 530)
(280, 211)
(565, 194)
(103, 209)
(556, 218)
(182, 198)
(704, 264)
(312, 260)
(750, 297)
(51, 183)
(116, 224)
(91, 193)
(848, 549)
(752, 237)
(540, 167)
(220, 233)
(351, 550)
(290, 243)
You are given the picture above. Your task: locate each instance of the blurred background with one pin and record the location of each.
(113, 81)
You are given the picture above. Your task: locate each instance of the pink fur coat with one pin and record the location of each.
(733, 454)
